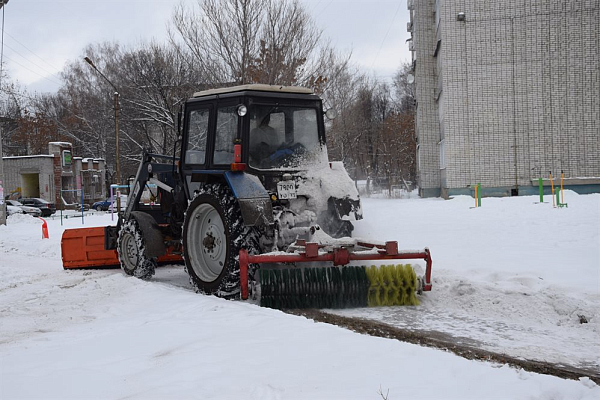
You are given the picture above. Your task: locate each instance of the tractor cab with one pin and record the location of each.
(277, 129)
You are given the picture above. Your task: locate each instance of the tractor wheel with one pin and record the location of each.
(213, 234)
(131, 248)
(338, 228)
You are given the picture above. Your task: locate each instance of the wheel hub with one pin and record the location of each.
(209, 242)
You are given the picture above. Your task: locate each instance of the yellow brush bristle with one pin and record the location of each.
(392, 285)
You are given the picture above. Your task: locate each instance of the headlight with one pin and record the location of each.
(331, 114)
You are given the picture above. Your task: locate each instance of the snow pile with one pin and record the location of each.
(101, 334)
(21, 219)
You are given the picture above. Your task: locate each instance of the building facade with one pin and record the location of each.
(57, 177)
(507, 93)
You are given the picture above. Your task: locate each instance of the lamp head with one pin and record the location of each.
(87, 60)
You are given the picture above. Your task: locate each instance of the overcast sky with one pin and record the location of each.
(41, 35)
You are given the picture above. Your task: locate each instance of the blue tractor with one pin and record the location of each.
(250, 170)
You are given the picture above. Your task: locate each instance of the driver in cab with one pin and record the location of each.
(264, 141)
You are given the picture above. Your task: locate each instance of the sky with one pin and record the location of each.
(41, 36)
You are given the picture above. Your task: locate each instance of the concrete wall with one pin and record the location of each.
(45, 176)
(43, 165)
(427, 125)
(520, 96)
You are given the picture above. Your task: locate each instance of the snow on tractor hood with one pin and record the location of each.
(330, 180)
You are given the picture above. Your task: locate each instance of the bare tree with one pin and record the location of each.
(216, 43)
(404, 92)
(13, 100)
(155, 82)
(374, 133)
(249, 41)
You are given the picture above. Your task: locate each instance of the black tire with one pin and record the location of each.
(332, 224)
(213, 234)
(131, 249)
(338, 228)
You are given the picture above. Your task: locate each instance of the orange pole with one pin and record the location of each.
(552, 186)
(44, 229)
(475, 196)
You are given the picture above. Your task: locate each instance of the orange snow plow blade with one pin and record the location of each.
(84, 248)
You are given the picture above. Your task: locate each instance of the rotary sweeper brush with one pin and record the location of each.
(251, 205)
(339, 285)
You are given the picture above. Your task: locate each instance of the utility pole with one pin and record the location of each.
(2, 202)
(117, 162)
(116, 106)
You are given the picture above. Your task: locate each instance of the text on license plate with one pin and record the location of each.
(286, 190)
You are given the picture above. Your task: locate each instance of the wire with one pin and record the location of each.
(386, 35)
(327, 5)
(29, 69)
(27, 48)
(37, 65)
(316, 5)
(2, 50)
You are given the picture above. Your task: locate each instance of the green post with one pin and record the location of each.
(541, 184)
(557, 197)
(479, 195)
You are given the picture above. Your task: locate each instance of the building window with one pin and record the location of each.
(97, 184)
(442, 145)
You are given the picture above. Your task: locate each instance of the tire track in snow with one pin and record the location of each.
(446, 342)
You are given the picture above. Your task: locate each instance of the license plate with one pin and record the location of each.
(286, 190)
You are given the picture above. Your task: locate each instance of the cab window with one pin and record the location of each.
(197, 133)
(226, 133)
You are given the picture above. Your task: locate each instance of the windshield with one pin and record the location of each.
(283, 137)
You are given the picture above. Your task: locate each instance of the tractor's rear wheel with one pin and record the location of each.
(213, 234)
(131, 249)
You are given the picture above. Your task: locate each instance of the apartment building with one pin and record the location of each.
(507, 93)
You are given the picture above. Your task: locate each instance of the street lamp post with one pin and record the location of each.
(116, 106)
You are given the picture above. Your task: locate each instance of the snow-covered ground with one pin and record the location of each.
(512, 275)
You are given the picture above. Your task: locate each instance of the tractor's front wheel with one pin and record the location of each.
(131, 249)
(213, 234)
